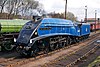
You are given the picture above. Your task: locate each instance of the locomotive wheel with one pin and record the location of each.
(84, 38)
(46, 50)
(32, 53)
(77, 39)
(29, 53)
(45, 46)
(73, 41)
(69, 40)
(52, 47)
(87, 36)
(60, 45)
(66, 42)
(21, 51)
(63, 44)
(7, 46)
(18, 49)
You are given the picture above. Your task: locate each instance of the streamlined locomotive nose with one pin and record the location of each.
(27, 32)
(24, 36)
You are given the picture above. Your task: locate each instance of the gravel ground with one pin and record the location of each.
(52, 57)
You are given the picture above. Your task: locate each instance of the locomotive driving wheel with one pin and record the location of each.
(77, 39)
(32, 53)
(46, 50)
(69, 40)
(63, 44)
(34, 50)
(52, 46)
(7, 45)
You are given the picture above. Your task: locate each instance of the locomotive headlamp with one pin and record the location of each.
(35, 33)
(14, 39)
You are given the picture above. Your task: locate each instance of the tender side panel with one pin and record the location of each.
(85, 29)
(9, 26)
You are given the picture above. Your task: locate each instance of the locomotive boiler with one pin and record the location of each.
(9, 30)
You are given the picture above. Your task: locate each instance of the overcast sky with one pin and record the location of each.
(77, 7)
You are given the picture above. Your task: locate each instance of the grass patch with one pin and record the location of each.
(95, 62)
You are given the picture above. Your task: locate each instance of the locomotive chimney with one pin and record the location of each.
(33, 18)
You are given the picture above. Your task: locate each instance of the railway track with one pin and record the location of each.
(15, 61)
(6, 57)
(79, 55)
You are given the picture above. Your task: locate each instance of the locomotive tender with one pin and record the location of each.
(9, 29)
(49, 34)
(11, 26)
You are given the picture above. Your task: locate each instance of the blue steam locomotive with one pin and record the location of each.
(48, 34)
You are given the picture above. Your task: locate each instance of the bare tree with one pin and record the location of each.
(2, 5)
(19, 7)
(29, 4)
(10, 7)
(13, 6)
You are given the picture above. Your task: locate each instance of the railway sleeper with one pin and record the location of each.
(86, 55)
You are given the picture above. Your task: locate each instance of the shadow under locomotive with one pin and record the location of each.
(48, 34)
